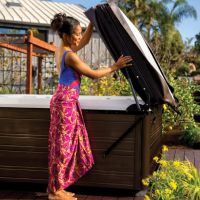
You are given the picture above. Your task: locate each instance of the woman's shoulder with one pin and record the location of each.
(71, 57)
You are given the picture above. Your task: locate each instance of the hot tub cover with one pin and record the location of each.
(122, 37)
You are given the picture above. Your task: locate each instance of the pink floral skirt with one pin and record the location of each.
(70, 155)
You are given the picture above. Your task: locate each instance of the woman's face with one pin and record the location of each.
(75, 38)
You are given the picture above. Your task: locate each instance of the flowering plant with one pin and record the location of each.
(106, 86)
(183, 90)
(174, 180)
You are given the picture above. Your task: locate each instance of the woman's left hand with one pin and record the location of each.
(123, 61)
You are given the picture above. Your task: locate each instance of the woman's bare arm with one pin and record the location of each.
(74, 61)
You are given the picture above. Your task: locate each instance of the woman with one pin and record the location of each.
(70, 156)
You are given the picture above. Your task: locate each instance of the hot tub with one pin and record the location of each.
(24, 124)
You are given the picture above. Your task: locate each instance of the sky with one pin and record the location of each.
(188, 27)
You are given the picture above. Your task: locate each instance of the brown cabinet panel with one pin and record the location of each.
(24, 126)
(23, 158)
(24, 140)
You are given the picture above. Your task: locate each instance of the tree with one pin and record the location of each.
(143, 14)
(197, 43)
(180, 9)
(156, 19)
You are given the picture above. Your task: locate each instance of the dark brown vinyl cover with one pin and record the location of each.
(122, 37)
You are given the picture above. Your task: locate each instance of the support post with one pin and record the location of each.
(39, 78)
(29, 65)
(146, 154)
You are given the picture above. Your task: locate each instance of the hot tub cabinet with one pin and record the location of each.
(24, 124)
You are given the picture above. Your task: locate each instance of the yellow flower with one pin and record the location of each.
(155, 173)
(164, 148)
(146, 197)
(168, 191)
(164, 107)
(163, 163)
(189, 176)
(145, 182)
(170, 128)
(157, 192)
(173, 184)
(163, 175)
(176, 163)
(156, 159)
(185, 184)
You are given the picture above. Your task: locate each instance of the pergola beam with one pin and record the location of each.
(39, 43)
(18, 49)
(39, 75)
(29, 69)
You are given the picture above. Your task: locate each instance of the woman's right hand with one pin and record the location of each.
(123, 61)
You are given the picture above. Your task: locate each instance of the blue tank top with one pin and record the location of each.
(68, 76)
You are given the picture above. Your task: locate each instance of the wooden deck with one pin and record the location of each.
(182, 153)
(14, 191)
(8, 195)
(32, 191)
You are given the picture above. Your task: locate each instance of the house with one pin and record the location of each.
(17, 16)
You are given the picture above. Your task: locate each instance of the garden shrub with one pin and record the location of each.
(106, 86)
(191, 135)
(182, 71)
(183, 90)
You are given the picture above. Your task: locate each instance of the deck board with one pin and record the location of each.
(20, 195)
(171, 154)
(179, 154)
(109, 198)
(182, 154)
(197, 159)
(189, 155)
(93, 197)
(81, 197)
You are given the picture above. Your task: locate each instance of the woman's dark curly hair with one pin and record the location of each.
(63, 24)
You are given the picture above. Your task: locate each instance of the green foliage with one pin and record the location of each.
(183, 70)
(197, 43)
(4, 90)
(34, 31)
(174, 180)
(106, 86)
(191, 134)
(197, 62)
(183, 90)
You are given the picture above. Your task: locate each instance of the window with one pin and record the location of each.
(12, 31)
(10, 3)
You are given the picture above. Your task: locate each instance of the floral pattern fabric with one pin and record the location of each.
(70, 155)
